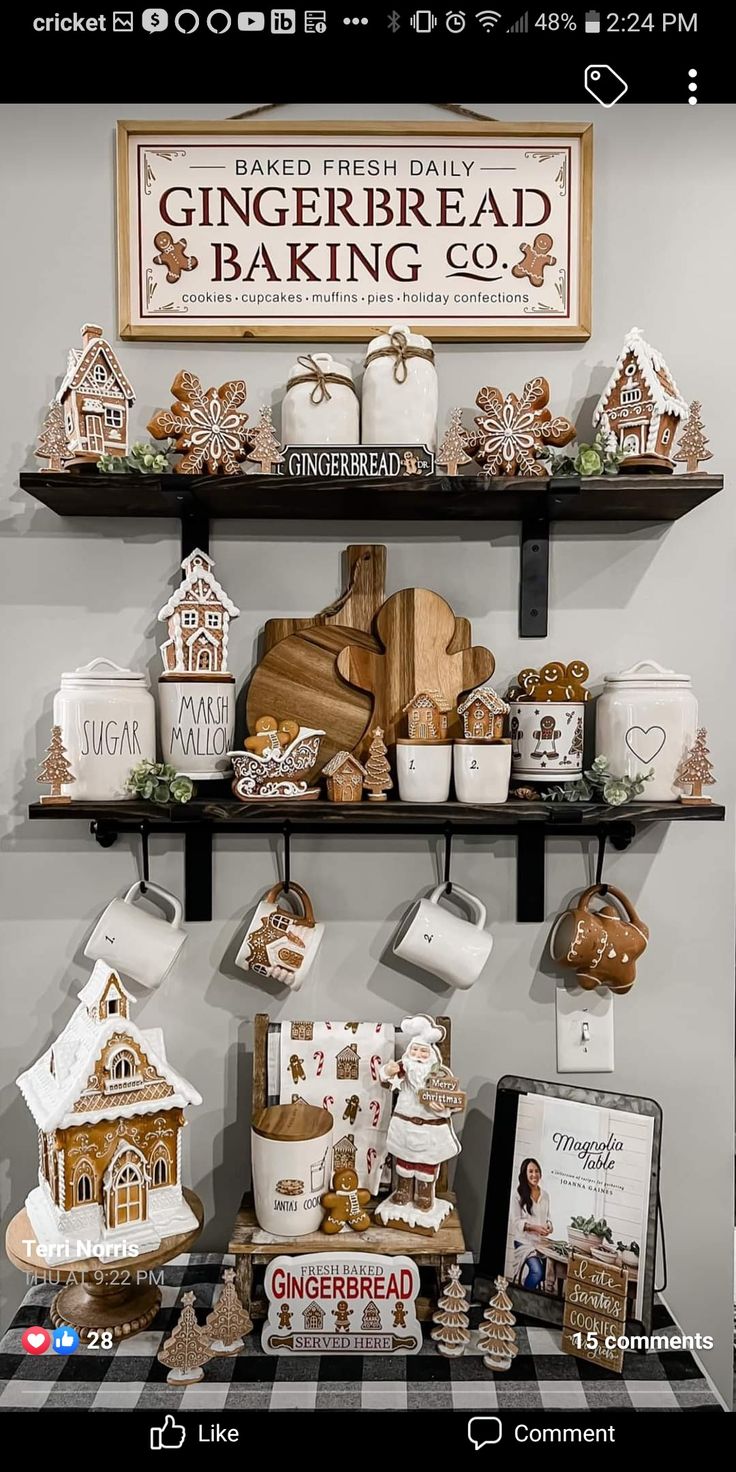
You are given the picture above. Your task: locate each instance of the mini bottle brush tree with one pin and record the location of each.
(452, 1335)
(497, 1338)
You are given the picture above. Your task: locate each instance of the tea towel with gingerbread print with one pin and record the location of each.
(335, 1066)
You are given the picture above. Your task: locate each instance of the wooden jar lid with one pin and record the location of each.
(299, 1121)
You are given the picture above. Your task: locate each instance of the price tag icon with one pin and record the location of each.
(603, 83)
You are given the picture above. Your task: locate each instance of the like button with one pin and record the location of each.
(65, 1340)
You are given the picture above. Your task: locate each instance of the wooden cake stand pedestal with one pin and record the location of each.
(115, 1296)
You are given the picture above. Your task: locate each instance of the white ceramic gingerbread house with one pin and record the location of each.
(110, 1111)
(641, 405)
(95, 399)
(198, 615)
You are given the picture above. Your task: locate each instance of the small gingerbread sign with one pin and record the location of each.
(342, 1303)
(443, 1088)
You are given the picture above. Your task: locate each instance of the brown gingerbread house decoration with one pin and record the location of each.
(344, 1153)
(313, 1317)
(198, 616)
(95, 398)
(426, 717)
(344, 776)
(302, 1032)
(483, 714)
(641, 405)
(110, 1111)
(347, 1062)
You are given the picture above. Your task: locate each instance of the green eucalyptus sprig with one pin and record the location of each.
(602, 457)
(159, 782)
(142, 459)
(599, 781)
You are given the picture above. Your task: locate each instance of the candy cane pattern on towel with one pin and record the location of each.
(328, 1101)
(375, 1111)
(319, 1059)
(375, 1065)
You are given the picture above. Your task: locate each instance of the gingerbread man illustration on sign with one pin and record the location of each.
(341, 1315)
(173, 255)
(284, 1316)
(535, 260)
(399, 1316)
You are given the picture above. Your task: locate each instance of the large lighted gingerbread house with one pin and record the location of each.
(641, 405)
(110, 1111)
(198, 616)
(95, 399)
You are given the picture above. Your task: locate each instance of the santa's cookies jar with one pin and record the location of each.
(320, 404)
(400, 394)
(108, 721)
(647, 718)
(291, 1163)
(546, 722)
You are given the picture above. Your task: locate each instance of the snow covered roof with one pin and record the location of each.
(490, 699)
(94, 989)
(79, 360)
(197, 566)
(51, 1096)
(339, 760)
(428, 697)
(660, 384)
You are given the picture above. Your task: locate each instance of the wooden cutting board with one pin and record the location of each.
(355, 608)
(418, 651)
(298, 679)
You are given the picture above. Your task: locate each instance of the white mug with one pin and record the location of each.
(278, 943)
(424, 770)
(451, 948)
(136, 942)
(482, 770)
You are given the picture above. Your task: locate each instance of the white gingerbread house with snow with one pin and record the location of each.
(110, 1111)
(198, 615)
(641, 406)
(95, 399)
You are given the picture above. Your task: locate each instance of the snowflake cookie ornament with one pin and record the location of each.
(206, 425)
(513, 430)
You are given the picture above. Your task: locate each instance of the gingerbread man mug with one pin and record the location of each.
(600, 946)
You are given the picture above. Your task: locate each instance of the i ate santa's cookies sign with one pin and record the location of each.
(342, 1303)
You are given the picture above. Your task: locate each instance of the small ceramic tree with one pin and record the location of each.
(55, 769)
(452, 1335)
(265, 448)
(497, 1338)
(454, 448)
(228, 1321)
(52, 444)
(693, 440)
(378, 779)
(187, 1349)
(696, 771)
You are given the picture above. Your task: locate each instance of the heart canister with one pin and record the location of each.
(108, 721)
(320, 405)
(291, 1152)
(400, 393)
(546, 723)
(647, 717)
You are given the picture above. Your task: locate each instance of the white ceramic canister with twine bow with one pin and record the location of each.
(321, 405)
(400, 391)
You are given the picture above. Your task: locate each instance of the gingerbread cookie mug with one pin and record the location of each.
(280, 944)
(601, 946)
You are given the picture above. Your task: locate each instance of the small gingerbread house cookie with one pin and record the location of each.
(95, 398)
(344, 776)
(483, 714)
(426, 716)
(641, 406)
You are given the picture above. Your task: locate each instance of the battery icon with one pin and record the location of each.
(593, 22)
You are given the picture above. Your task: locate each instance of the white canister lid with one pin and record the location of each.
(324, 361)
(415, 339)
(647, 672)
(102, 671)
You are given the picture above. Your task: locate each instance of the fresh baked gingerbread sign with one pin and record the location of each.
(352, 1302)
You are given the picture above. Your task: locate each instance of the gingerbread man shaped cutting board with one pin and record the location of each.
(416, 629)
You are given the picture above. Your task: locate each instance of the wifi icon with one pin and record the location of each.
(488, 19)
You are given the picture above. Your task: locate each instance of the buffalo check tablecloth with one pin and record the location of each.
(130, 1377)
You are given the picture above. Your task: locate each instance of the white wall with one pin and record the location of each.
(665, 206)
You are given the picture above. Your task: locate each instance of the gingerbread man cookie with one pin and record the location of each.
(345, 1204)
(172, 255)
(535, 260)
(270, 736)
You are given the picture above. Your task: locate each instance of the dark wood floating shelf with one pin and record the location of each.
(530, 822)
(536, 504)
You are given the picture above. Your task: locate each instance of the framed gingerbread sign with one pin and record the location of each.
(323, 230)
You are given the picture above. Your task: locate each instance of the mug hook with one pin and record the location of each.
(448, 858)
(145, 875)
(602, 839)
(287, 857)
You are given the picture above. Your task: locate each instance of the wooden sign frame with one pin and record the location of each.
(510, 1092)
(556, 155)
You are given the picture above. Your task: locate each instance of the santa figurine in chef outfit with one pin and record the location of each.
(420, 1135)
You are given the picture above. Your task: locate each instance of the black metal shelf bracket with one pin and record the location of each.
(534, 556)
(106, 834)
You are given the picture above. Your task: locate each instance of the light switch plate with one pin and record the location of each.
(580, 1013)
